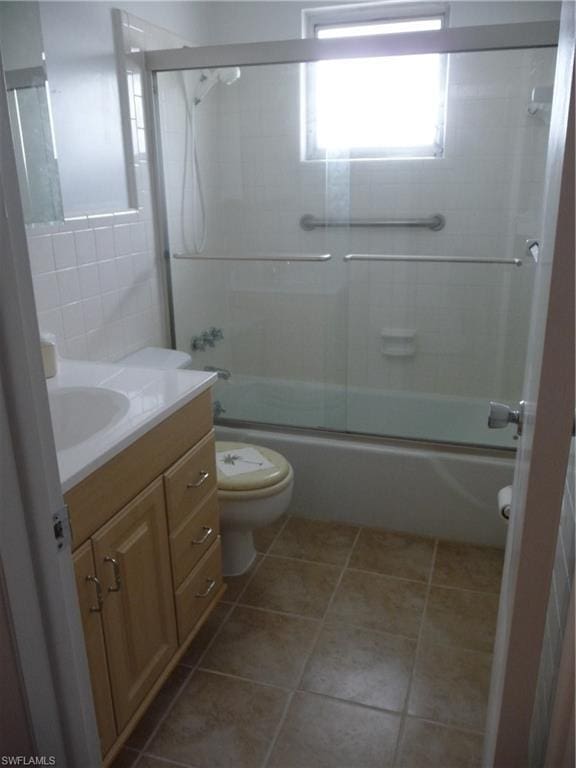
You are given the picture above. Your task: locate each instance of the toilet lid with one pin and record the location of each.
(245, 467)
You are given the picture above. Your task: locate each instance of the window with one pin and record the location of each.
(374, 108)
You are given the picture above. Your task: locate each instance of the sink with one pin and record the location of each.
(79, 413)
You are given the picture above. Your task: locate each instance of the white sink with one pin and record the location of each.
(79, 413)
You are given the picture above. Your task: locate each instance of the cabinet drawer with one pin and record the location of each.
(190, 480)
(199, 590)
(194, 538)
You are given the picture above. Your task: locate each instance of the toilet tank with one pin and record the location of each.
(158, 357)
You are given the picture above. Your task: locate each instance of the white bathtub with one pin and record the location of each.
(446, 493)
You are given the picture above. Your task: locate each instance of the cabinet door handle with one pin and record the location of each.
(116, 568)
(202, 477)
(211, 584)
(207, 533)
(99, 597)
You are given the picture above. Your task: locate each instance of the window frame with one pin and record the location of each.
(358, 15)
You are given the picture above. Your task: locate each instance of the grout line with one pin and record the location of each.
(277, 730)
(166, 760)
(168, 709)
(404, 713)
(276, 612)
(301, 560)
(207, 670)
(309, 655)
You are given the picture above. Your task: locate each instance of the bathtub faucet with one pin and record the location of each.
(223, 373)
(206, 339)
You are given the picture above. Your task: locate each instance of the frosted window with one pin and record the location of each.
(376, 107)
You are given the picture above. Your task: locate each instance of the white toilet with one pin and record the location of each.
(249, 497)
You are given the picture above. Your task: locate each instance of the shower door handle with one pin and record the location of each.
(500, 415)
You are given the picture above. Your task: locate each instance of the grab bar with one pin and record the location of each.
(430, 259)
(436, 222)
(255, 257)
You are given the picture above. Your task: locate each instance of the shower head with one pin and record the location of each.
(209, 79)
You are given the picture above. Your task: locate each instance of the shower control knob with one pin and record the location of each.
(500, 415)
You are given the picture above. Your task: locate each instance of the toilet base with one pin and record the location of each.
(238, 552)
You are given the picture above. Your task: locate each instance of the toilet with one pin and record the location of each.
(254, 483)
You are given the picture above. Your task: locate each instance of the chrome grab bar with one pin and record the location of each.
(436, 222)
(255, 257)
(430, 259)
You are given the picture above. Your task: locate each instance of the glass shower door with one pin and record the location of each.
(373, 290)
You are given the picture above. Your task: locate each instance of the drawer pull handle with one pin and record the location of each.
(99, 598)
(207, 533)
(211, 584)
(116, 567)
(202, 477)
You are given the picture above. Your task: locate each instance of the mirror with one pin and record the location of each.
(62, 62)
(30, 114)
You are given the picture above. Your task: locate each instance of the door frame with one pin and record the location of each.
(543, 456)
(38, 575)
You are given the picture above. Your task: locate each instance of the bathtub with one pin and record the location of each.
(429, 489)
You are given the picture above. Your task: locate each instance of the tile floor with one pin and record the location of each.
(343, 647)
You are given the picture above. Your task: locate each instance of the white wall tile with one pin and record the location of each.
(85, 246)
(64, 250)
(69, 285)
(46, 291)
(41, 254)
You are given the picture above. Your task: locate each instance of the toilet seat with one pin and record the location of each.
(259, 483)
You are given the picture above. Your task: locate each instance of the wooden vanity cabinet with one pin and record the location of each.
(91, 601)
(148, 571)
(133, 564)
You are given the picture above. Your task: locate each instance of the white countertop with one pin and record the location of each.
(153, 395)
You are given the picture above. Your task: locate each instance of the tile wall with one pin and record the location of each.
(98, 282)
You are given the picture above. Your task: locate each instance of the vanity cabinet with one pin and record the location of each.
(148, 563)
(133, 565)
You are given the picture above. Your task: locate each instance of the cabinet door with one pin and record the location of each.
(91, 606)
(133, 563)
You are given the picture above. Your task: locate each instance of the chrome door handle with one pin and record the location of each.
(207, 533)
(116, 568)
(202, 477)
(99, 597)
(211, 584)
(500, 415)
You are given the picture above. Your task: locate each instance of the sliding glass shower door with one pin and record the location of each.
(370, 279)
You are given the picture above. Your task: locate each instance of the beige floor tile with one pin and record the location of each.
(323, 542)
(235, 584)
(379, 602)
(158, 708)
(206, 634)
(292, 586)
(219, 722)
(450, 685)
(393, 554)
(263, 537)
(436, 746)
(254, 644)
(461, 618)
(126, 758)
(468, 566)
(153, 762)
(324, 733)
(361, 665)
